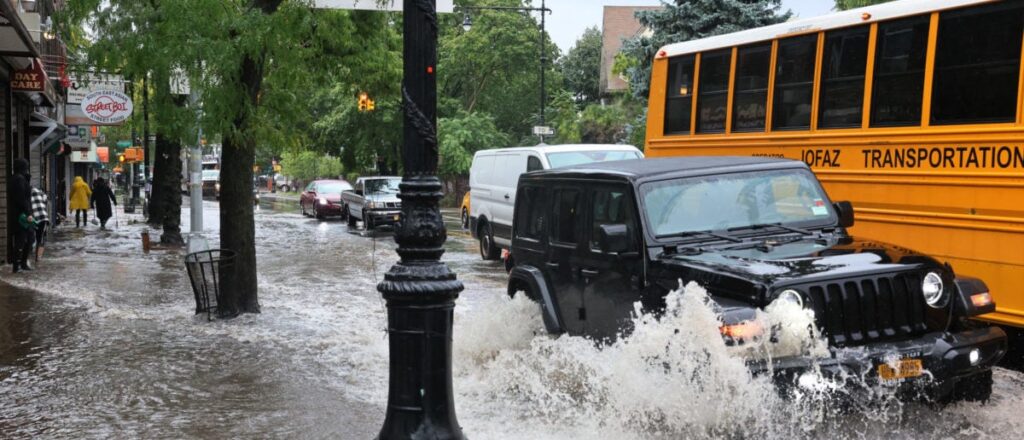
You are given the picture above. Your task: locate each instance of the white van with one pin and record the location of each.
(495, 173)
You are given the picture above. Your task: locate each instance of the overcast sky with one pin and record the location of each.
(569, 18)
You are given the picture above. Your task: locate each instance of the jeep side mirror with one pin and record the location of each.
(845, 211)
(614, 238)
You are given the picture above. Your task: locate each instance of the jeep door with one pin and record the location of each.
(610, 281)
(563, 254)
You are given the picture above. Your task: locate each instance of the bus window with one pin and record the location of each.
(713, 91)
(843, 66)
(750, 95)
(899, 72)
(977, 64)
(679, 96)
(794, 83)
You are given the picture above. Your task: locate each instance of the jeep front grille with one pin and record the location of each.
(862, 310)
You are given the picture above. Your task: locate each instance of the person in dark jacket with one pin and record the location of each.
(20, 193)
(102, 197)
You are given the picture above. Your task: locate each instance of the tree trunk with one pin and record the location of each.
(156, 197)
(170, 193)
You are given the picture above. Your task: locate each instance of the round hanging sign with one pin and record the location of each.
(107, 106)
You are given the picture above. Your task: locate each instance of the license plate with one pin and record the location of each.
(905, 368)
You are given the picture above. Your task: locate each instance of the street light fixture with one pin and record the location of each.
(467, 24)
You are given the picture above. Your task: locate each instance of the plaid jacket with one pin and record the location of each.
(39, 208)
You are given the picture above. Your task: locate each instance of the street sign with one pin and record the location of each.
(541, 130)
(124, 144)
(77, 137)
(377, 5)
(107, 106)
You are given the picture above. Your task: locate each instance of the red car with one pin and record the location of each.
(322, 198)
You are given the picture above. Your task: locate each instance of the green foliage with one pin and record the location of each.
(308, 165)
(494, 68)
(462, 136)
(564, 117)
(843, 5)
(690, 20)
(581, 67)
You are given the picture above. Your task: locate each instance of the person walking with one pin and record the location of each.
(40, 212)
(20, 193)
(80, 195)
(102, 197)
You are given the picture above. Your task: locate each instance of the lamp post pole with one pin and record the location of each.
(467, 23)
(420, 290)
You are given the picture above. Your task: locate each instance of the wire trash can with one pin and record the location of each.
(204, 271)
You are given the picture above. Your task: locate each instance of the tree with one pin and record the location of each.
(462, 136)
(689, 20)
(253, 62)
(843, 5)
(581, 67)
(309, 165)
(494, 68)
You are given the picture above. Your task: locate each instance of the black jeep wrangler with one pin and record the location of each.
(590, 241)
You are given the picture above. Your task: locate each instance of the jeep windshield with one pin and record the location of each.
(570, 158)
(729, 202)
(386, 186)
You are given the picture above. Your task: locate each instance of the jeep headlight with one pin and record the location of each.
(933, 291)
(323, 201)
(791, 296)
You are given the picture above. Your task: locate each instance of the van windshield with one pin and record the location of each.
(570, 158)
(722, 202)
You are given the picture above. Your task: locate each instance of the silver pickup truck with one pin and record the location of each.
(374, 200)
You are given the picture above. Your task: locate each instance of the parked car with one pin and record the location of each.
(494, 174)
(465, 211)
(211, 183)
(592, 240)
(374, 200)
(284, 183)
(322, 198)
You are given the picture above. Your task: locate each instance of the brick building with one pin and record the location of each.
(619, 23)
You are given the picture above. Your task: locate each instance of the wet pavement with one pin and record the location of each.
(101, 342)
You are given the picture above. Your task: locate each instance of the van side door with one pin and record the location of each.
(610, 281)
(507, 167)
(563, 254)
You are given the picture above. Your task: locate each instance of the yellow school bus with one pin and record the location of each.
(911, 110)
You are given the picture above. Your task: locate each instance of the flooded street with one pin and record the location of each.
(101, 342)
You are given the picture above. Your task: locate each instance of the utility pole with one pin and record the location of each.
(145, 127)
(420, 290)
(196, 242)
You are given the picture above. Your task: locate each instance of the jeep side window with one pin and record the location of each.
(563, 222)
(610, 207)
(530, 212)
(533, 164)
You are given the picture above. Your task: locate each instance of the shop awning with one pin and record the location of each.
(15, 39)
(48, 132)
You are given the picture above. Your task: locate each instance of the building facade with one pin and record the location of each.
(619, 24)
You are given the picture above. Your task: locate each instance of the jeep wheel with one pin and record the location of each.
(488, 250)
(465, 219)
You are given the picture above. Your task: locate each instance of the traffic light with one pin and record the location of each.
(120, 158)
(365, 104)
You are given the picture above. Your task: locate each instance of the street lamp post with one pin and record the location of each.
(467, 24)
(420, 290)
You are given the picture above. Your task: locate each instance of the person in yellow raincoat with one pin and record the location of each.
(80, 195)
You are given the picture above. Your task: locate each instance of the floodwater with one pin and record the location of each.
(101, 342)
